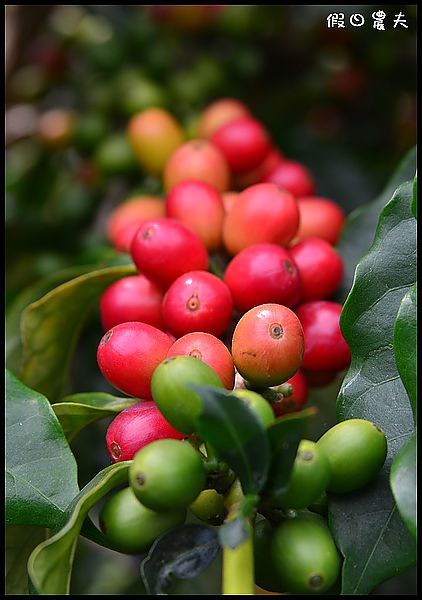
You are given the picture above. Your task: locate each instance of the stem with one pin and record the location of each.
(238, 563)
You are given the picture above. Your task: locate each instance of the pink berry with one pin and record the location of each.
(293, 177)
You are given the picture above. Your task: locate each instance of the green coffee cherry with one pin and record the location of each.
(258, 405)
(167, 474)
(308, 480)
(265, 574)
(208, 506)
(356, 451)
(320, 505)
(180, 405)
(132, 527)
(304, 555)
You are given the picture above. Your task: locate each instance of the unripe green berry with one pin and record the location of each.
(258, 405)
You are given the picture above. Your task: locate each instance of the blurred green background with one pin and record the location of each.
(342, 101)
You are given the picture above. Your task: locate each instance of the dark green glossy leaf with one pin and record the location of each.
(41, 475)
(285, 436)
(79, 410)
(405, 344)
(366, 525)
(51, 326)
(20, 541)
(236, 434)
(50, 564)
(29, 295)
(183, 552)
(403, 483)
(359, 230)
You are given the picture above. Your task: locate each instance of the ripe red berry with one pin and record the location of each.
(228, 200)
(293, 177)
(133, 298)
(164, 249)
(210, 350)
(197, 301)
(126, 219)
(325, 347)
(320, 268)
(295, 395)
(136, 427)
(270, 162)
(218, 113)
(243, 142)
(262, 213)
(260, 274)
(197, 159)
(199, 206)
(319, 217)
(267, 344)
(128, 354)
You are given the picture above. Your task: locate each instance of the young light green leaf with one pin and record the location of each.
(366, 525)
(50, 564)
(285, 436)
(41, 472)
(405, 344)
(360, 226)
(52, 324)
(236, 434)
(79, 410)
(27, 296)
(403, 483)
(20, 541)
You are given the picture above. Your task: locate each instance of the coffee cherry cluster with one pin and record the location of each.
(236, 271)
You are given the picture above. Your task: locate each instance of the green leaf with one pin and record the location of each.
(183, 552)
(51, 326)
(20, 541)
(403, 483)
(285, 436)
(236, 434)
(41, 475)
(414, 205)
(79, 410)
(405, 344)
(366, 525)
(50, 564)
(359, 230)
(29, 295)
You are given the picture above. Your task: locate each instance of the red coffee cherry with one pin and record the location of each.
(319, 217)
(128, 354)
(293, 177)
(133, 298)
(197, 301)
(270, 162)
(320, 268)
(267, 345)
(295, 395)
(210, 350)
(260, 274)
(262, 213)
(136, 427)
(126, 219)
(243, 142)
(228, 200)
(164, 249)
(219, 113)
(199, 206)
(325, 347)
(197, 159)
